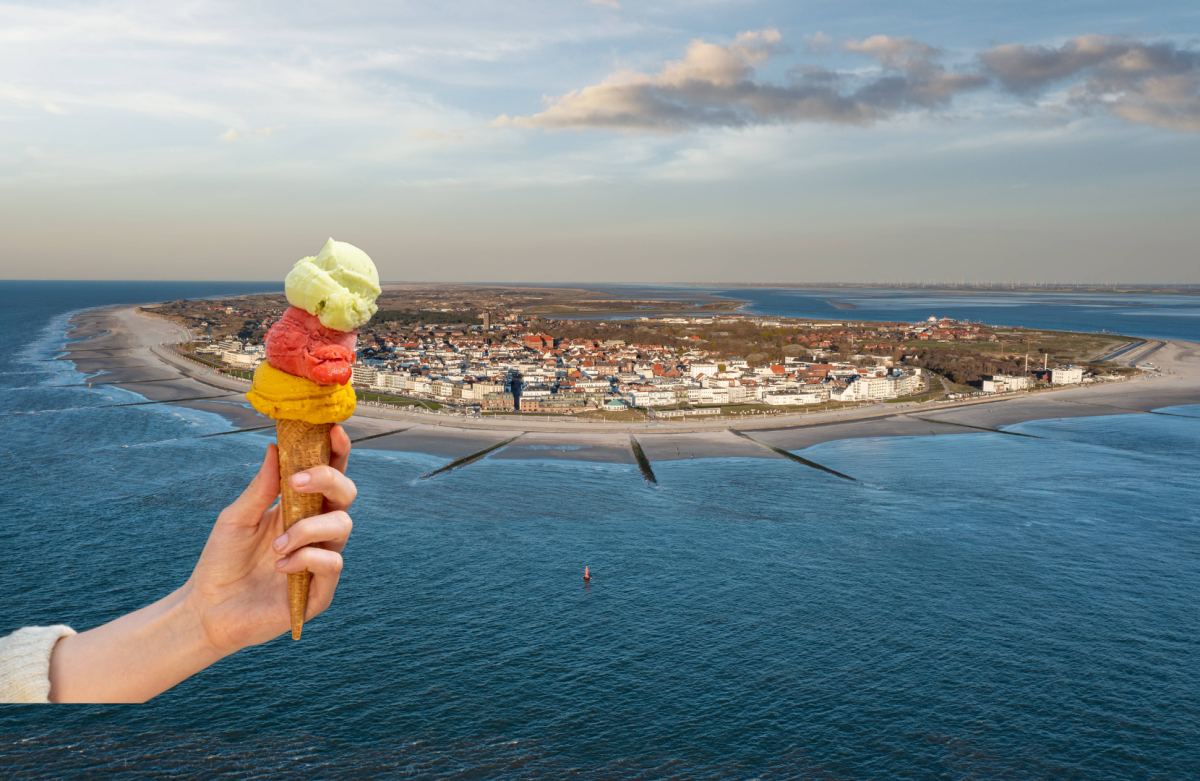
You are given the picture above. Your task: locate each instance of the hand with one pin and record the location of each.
(239, 585)
(236, 596)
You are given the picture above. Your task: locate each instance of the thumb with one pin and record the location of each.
(248, 508)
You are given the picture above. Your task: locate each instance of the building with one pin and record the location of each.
(361, 374)
(241, 360)
(789, 398)
(873, 388)
(1002, 383)
(498, 401)
(654, 397)
(539, 342)
(487, 321)
(443, 389)
(1066, 375)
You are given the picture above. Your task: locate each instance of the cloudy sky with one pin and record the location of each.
(603, 140)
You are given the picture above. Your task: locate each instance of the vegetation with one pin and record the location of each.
(729, 339)
(622, 416)
(428, 317)
(396, 400)
(965, 368)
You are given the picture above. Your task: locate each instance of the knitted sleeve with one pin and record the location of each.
(25, 662)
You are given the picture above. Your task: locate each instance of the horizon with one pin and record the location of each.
(940, 285)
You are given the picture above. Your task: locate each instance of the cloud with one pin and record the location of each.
(925, 82)
(426, 134)
(613, 4)
(232, 134)
(817, 43)
(1154, 84)
(1027, 69)
(714, 86)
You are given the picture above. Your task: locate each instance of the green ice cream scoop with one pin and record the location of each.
(338, 286)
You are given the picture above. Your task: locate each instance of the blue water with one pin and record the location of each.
(1151, 316)
(976, 606)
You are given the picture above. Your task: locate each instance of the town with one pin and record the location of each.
(510, 362)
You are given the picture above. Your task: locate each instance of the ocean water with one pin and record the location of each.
(975, 606)
(1151, 316)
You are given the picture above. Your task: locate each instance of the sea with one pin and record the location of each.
(1155, 316)
(972, 607)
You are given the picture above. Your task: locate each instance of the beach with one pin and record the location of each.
(129, 349)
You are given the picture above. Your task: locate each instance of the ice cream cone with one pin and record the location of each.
(304, 384)
(301, 446)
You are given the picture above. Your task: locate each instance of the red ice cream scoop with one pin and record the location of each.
(299, 345)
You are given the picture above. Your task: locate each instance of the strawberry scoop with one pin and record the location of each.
(299, 345)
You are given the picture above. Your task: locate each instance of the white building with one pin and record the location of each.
(869, 388)
(788, 398)
(360, 374)
(1002, 383)
(720, 395)
(656, 397)
(1068, 375)
(242, 359)
(905, 384)
(707, 369)
(390, 380)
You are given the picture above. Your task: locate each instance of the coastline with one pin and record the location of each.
(123, 347)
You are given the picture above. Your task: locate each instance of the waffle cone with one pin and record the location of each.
(301, 446)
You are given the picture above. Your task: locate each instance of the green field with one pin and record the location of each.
(397, 401)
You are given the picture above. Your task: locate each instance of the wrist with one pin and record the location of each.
(208, 638)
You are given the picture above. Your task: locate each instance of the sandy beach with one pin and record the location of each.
(124, 347)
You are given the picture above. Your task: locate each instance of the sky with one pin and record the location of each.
(710, 141)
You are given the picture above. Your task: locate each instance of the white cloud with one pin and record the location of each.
(233, 134)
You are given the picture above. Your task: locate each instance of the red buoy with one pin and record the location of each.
(586, 576)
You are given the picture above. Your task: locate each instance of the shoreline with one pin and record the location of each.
(127, 349)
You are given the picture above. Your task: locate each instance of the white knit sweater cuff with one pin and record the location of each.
(25, 662)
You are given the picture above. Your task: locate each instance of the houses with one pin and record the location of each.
(516, 368)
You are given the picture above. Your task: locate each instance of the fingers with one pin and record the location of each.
(326, 568)
(340, 444)
(330, 531)
(339, 490)
(320, 562)
(248, 509)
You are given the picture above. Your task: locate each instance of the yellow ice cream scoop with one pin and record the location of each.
(338, 286)
(279, 395)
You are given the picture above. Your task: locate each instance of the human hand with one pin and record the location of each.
(239, 586)
(236, 596)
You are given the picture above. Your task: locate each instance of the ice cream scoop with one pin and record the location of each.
(280, 395)
(338, 286)
(301, 346)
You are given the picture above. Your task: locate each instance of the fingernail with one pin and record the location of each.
(282, 562)
(301, 480)
(281, 542)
